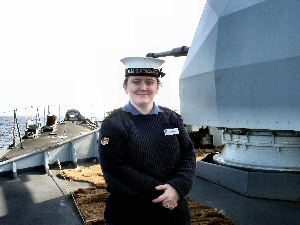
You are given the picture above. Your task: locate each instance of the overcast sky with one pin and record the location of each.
(68, 52)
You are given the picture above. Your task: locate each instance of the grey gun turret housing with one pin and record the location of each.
(243, 66)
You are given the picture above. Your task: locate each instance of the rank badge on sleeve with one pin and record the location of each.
(104, 141)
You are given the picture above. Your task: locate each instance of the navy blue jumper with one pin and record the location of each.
(136, 156)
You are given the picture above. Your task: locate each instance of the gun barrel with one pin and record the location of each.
(176, 52)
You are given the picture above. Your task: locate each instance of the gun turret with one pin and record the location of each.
(176, 52)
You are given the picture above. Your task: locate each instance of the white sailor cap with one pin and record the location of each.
(143, 66)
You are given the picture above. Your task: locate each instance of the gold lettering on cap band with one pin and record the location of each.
(141, 72)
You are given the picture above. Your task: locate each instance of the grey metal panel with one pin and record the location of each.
(265, 97)
(269, 185)
(198, 110)
(233, 179)
(284, 186)
(243, 67)
(5, 168)
(61, 152)
(257, 103)
(86, 147)
(34, 160)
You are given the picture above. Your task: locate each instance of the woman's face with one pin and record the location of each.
(141, 90)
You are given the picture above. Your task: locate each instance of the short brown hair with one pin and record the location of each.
(126, 81)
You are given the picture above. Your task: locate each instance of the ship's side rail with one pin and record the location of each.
(83, 147)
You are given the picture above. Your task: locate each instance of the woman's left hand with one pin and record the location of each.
(169, 198)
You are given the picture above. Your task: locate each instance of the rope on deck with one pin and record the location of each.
(77, 206)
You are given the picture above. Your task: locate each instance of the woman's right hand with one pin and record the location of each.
(169, 199)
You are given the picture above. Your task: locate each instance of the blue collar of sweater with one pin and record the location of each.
(130, 108)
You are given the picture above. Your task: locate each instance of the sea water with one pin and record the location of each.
(8, 128)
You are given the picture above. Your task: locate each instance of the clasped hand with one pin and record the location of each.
(169, 199)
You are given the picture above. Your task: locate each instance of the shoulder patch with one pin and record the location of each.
(104, 141)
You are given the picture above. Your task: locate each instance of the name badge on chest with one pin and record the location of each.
(171, 131)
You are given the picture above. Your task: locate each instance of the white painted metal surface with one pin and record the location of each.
(261, 150)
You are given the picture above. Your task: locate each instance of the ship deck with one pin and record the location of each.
(39, 198)
(62, 132)
(245, 210)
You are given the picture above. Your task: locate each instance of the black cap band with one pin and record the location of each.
(142, 72)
